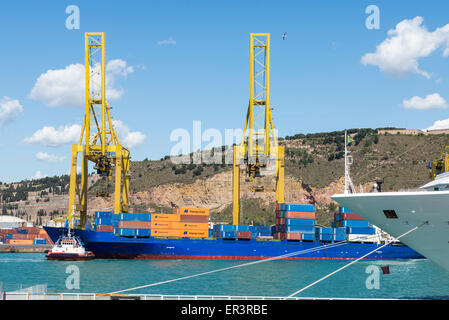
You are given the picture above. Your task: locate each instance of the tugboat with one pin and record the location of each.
(70, 248)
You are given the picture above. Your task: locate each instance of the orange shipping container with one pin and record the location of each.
(179, 233)
(178, 225)
(164, 217)
(194, 211)
(134, 224)
(20, 241)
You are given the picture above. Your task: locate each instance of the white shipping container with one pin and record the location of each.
(363, 238)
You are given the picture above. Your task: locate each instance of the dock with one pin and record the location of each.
(16, 248)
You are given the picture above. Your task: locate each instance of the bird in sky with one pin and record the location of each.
(284, 36)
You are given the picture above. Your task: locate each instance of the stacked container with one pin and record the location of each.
(356, 227)
(295, 222)
(330, 234)
(133, 225)
(184, 222)
(232, 232)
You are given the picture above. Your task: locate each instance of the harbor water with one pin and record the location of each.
(406, 278)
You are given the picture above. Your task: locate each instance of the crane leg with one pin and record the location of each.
(280, 198)
(236, 187)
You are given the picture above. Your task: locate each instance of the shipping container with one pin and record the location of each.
(104, 228)
(362, 238)
(192, 211)
(165, 217)
(355, 223)
(344, 210)
(193, 218)
(362, 230)
(350, 216)
(308, 236)
(244, 235)
(20, 241)
(339, 230)
(298, 215)
(299, 222)
(143, 232)
(339, 237)
(103, 214)
(135, 216)
(296, 207)
(324, 230)
(134, 224)
(325, 237)
(179, 225)
(127, 232)
(293, 236)
(40, 241)
(299, 229)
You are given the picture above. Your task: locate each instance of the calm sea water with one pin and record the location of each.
(407, 279)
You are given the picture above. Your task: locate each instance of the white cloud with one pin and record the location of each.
(9, 110)
(128, 138)
(66, 87)
(169, 41)
(399, 53)
(431, 101)
(439, 124)
(50, 158)
(38, 175)
(52, 137)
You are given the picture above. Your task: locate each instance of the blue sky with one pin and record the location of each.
(200, 69)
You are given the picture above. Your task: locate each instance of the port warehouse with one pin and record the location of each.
(294, 222)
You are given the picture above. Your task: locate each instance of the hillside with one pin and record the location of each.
(314, 171)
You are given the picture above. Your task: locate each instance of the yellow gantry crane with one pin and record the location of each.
(98, 141)
(441, 165)
(259, 145)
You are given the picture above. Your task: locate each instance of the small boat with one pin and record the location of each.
(69, 248)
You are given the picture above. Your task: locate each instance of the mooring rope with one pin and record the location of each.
(335, 244)
(352, 262)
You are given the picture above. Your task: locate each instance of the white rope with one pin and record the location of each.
(352, 262)
(336, 244)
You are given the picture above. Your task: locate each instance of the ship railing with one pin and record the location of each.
(99, 296)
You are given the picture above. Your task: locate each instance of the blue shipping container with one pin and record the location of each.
(308, 236)
(127, 232)
(344, 210)
(299, 229)
(355, 223)
(135, 216)
(103, 214)
(297, 207)
(339, 237)
(366, 230)
(40, 241)
(143, 232)
(228, 235)
(300, 222)
(324, 230)
(325, 237)
(339, 230)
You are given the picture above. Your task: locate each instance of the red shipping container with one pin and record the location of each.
(134, 224)
(31, 230)
(299, 215)
(105, 228)
(293, 236)
(194, 218)
(19, 236)
(244, 235)
(350, 216)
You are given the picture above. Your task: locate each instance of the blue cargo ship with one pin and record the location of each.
(295, 236)
(109, 245)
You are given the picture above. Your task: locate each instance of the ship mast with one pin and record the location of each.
(349, 186)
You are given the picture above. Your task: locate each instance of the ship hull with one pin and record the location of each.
(107, 245)
(426, 210)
